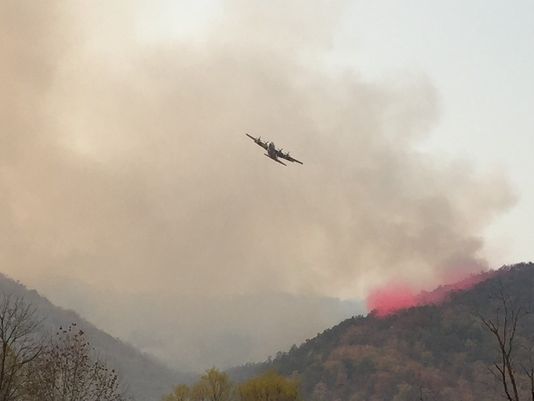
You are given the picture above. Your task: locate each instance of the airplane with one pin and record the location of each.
(272, 152)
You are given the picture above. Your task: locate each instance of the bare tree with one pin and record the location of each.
(68, 371)
(504, 328)
(19, 346)
(527, 366)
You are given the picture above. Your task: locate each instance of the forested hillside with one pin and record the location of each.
(143, 377)
(444, 351)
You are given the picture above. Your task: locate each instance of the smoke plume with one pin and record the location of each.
(124, 163)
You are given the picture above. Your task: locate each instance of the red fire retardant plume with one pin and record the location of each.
(391, 298)
(394, 297)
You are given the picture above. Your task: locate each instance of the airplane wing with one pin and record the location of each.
(258, 141)
(287, 157)
(292, 159)
(276, 160)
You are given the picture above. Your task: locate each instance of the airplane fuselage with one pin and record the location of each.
(273, 153)
(271, 150)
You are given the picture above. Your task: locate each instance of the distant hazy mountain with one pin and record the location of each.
(439, 351)
(193, 333)
(145, 378)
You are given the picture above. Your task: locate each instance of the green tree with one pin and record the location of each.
(213, 385)
(269, 387)
(180, 393)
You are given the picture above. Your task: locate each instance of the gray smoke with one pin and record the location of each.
(124, 165)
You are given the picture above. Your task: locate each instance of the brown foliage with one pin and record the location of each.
(19, 349)
(67, 370)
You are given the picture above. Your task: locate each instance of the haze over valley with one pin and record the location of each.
(130, 193)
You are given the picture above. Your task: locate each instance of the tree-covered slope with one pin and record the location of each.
(436, 352)
(144, 378)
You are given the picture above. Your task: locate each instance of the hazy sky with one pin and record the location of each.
(125, 169)
(478, 55)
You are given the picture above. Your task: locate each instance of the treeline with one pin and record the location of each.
(477, 346)
(35, 366)
(63, 366)
(215, 385)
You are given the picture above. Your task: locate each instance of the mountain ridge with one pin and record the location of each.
(143, 376)
(440, 349)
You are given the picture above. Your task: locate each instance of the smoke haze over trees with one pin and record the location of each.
(124, 164)
(142, 376)
(34, 368)
(437, 351)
